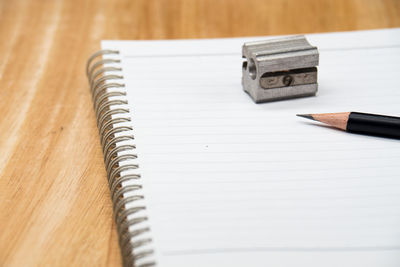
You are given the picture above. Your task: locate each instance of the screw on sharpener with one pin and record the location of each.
(280, 68)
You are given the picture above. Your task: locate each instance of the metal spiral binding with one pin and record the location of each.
(100, 81)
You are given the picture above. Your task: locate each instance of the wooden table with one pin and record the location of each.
(55, 207)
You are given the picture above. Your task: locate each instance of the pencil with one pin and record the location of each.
(361, 123)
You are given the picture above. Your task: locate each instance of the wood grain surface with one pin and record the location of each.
(55, 207)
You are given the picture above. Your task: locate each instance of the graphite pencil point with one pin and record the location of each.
(307, 116)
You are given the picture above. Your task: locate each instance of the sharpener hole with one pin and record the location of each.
(252, 69)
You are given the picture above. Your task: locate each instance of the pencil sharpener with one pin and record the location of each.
(278, 69)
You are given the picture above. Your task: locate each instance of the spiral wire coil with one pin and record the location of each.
(101, 75)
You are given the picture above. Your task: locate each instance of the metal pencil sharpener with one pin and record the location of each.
(279, 69)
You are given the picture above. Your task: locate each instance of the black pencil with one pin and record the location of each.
(362, 123)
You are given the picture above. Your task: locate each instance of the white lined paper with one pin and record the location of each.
(229, 182)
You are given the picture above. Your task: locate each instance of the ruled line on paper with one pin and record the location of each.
(233, 54)
(285, 249)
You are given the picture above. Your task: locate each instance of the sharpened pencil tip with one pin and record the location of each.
(307, 116)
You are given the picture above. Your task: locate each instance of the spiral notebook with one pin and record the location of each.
(202, 176)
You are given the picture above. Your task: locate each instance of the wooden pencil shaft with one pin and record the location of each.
(337, 120)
